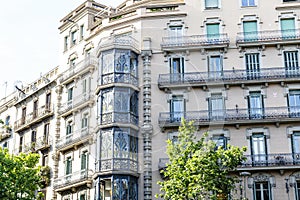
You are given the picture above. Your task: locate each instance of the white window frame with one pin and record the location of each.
(212, 7)
(248, 3)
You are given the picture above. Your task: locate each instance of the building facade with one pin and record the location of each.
(126, 77)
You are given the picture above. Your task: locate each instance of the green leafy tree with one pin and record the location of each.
(198, 169)
(19, 176)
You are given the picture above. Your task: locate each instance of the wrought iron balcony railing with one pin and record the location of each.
(69, 180)
(229, 77)
(128, 163)
(231, 116)
(259, 160)
(87, 64)
(118, 77)
(78, 136)
(195, 41)
(118, 117)
(124, 42)
(270, 36)
(75, 102)
(34, 117)
(38, 144)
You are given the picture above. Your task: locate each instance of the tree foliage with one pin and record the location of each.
(19, 176)
(197, 169)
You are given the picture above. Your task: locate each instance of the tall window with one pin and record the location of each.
(35, 109)
(246, 3)
(68, 166)
(74, 37)
(84, 160)
(176, 68)
(81, 32)
(177, 108)
(211, 4)
(262, 191)
(220, 140)
(252, 65)
(258, 149)
(291, 63)
(297, 190)
(23, 115)
(82, 197)
(250, 30)
(46, 133)
(213, 31)
(33, 136)
(69, 129)
(66, 44)
(84, 121)
(70, 95)
(175, 31)
(48, 101)
(287, 28)
(216, 107)
(215, 66)
(294, 103)
(256, 105)
(21, 144)
(296, 146)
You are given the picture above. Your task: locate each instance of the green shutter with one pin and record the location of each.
(250, 30)
(287, 27)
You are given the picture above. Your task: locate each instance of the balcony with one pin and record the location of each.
(118, 42)
(231, 116)
(41, 143)
(129, 164)
(74, 139)
(86, 65)
(195, 42)
(271, 37)
(228, 77)
(34, 117)
(5, 132)
(76, 103)
(118, 78)
(265, 161)
(76, 179)
(109, 118)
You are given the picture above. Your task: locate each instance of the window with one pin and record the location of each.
(215, 66)
(69, 128)
(258, 148)
(252, 65)
(73, 62)
(46, 133)
(84, 86)
(7, 120)
(289, 0)
(297, 190)
(211, 4)
(291, 63)
(262, 191)
(173, 136)
(176, 68)
(246, 3)
(33, 136)
(176, 31)
(213, 31)
(84, 160)
(35, 109)
(250, 30)
(82, 197)
(177, 108)
(45, 158)
(5, 145)
(48, 101)
(66, 43)
(70, 95)
(21, 144)
(294, 103)
(216, 107)
(23, 115)
(84, 121)
(81, 32)
(68, 166)
(74, 37)
(220, 140)
(255, 104)
(287, 28)
(296, 146)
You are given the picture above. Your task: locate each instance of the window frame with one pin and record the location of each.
(215, 6)
(248, 3)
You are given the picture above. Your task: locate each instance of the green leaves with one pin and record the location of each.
(198, 170)
(19, 176)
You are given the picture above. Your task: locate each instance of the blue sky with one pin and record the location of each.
(29, 38)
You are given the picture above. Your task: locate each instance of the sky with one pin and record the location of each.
(29, 38)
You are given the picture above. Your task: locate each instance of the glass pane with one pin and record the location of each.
(217, 106)
(296, 142)
(177, 108)
(121, 101)
(250, 30)
(291, 63)
(287, 28)
(215, 67)
(258, 147)
(121, 145)
(256, 105)
(107, 102)
(120, 189)
(213, 30)
(294, 103)
(122, 61)
(106, 144)
(211, 3)
(107, 62)
(175, 31)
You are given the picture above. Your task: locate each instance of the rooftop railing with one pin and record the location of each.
(229, 76)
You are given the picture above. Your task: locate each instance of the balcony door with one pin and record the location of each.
(176, 68)
(262, 191)
(294, 103)
(216, 107)
(177, 108)
(258, 149)
(175, 34)
(250, 31)
(213, 32)
(291, 63)
(256, 106)
(215, 67)
(252, 65)
(296, 146)
(287, 28)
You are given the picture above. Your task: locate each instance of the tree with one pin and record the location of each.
(19, 176)
(197, 168)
